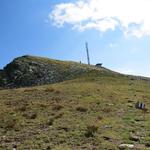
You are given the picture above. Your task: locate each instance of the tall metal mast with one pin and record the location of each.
(87, 51)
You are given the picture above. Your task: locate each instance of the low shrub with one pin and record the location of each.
(107, 109)
(91, 129)
(49, 89)
(50, 121)
(81, 108)
(56, 99)
(30, 115)
(22, 106)
(57, 92)
(57, 116)
(99, 117)
(57, 107)
(30, 90)
(7, 121)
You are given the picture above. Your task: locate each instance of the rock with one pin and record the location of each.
(110, 104)
(134, 138)
(31, 71)
(124, 146)
(107, 126)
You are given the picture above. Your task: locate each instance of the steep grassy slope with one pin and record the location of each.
(93, 112)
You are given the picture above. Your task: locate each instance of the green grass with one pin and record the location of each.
(59, 116)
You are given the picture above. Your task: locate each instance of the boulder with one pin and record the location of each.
(125, 146)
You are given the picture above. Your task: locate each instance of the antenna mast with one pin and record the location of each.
(87, 51)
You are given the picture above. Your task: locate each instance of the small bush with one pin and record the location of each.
(81, 109)
(50, 121)
(49, 89)
(43, 106)
(57, 116)
(100, 117)
(56, 99)
(57, 107)
(98, 103)
(63, 128)
(30, 90)
(57, 92)
(48, 148)
(30, 115)
(107, 109)
(7, 121)
(91, 129)
(22, 106)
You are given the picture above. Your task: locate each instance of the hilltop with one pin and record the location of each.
(93, 110)
(30, 71)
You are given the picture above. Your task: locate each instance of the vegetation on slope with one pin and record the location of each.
(93, 112)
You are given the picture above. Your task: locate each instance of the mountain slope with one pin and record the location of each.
(95, 111)
(92, 109)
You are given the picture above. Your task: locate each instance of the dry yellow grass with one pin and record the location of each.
(59, 116)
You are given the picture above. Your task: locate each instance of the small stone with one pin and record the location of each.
(124, 146)
(107, 126)
(110, 104)
(134, 138)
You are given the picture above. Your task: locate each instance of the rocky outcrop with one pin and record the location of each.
(29, 71)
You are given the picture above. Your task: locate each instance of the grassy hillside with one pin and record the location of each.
(93, 112)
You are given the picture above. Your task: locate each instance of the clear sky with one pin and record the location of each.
(118, 32)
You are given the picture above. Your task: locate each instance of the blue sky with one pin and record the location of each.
(59, 29)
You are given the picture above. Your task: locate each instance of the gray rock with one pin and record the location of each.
(30, 71)
(124, 146)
